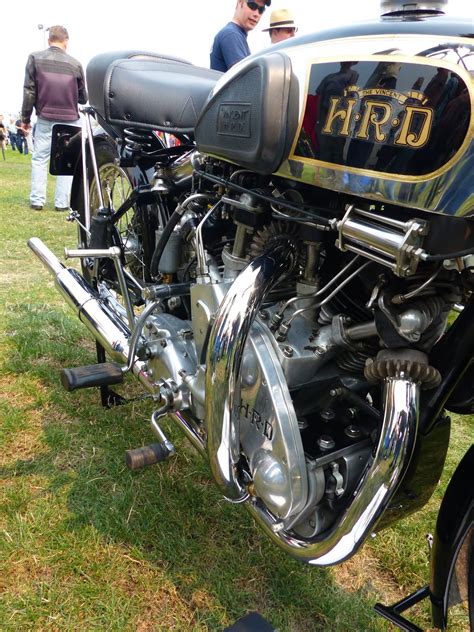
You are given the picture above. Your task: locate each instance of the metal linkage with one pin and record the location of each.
(113, 253)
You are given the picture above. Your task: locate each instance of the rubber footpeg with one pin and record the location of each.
(139, 458)
(103, 374)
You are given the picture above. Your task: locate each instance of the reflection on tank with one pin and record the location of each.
(389, 115)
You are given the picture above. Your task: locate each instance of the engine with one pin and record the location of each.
(306, 404)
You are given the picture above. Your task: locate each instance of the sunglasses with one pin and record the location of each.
(253, 6)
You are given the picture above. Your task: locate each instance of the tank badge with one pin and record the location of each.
(233, 119)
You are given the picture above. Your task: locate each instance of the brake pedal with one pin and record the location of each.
(103, 374)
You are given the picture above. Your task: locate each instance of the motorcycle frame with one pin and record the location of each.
(453, 356)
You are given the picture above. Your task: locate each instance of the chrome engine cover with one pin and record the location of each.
(269, 433)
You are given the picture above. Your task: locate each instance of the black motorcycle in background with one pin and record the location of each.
(283, 256)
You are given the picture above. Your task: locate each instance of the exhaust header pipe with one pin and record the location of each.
(226, 345)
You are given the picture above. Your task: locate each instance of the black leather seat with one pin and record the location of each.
(133, 88)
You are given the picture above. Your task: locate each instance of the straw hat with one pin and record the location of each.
(281, 19)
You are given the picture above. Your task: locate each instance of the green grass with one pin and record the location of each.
(88, 545)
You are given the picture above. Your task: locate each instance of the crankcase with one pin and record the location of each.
(170, 347)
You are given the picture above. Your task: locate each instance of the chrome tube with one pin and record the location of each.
(85, 182)
(107, 328)
(384, 472)
(374, 491)
(226, 344)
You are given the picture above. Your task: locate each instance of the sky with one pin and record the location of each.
(183, 28)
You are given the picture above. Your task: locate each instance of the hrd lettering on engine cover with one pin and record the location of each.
(384, 115)
(255, 418)
(234, 119)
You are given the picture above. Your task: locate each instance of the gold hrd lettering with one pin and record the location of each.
(414, 122)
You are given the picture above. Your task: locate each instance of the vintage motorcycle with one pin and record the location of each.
(277, 255)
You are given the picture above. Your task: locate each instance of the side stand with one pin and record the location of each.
(392, 613)
(108, 397)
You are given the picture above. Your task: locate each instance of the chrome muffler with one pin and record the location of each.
(386, 468)
(110, 331)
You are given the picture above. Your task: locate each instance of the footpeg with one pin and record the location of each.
(103, 374)
(139, 458)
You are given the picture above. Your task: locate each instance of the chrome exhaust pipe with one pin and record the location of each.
(374, 491)
(384, 472)
(107, 328)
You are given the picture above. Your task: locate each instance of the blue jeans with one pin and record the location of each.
(13, 140)
(39, 167)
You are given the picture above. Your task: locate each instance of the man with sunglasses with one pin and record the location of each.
(230, 44)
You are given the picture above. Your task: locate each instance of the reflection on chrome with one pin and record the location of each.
(375, 489)
(226, 344)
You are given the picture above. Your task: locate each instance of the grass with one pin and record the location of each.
(88, 545)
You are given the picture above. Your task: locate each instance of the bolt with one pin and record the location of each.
(302, 424)
(287, 351)
(326, 442)
(328, 414)
(352, 431)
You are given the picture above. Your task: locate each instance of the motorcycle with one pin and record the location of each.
(283, 257)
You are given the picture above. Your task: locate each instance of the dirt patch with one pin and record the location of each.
(27, 443)
(19, 575)
(363, 573)
(11, 393)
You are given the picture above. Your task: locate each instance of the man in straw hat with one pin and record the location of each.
(282, 26)
(230, 44)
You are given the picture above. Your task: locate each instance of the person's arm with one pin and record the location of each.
(81, 86)
(29, 93)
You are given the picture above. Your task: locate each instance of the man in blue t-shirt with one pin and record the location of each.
(230, 44)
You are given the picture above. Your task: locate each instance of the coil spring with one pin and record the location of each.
(139, 140)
